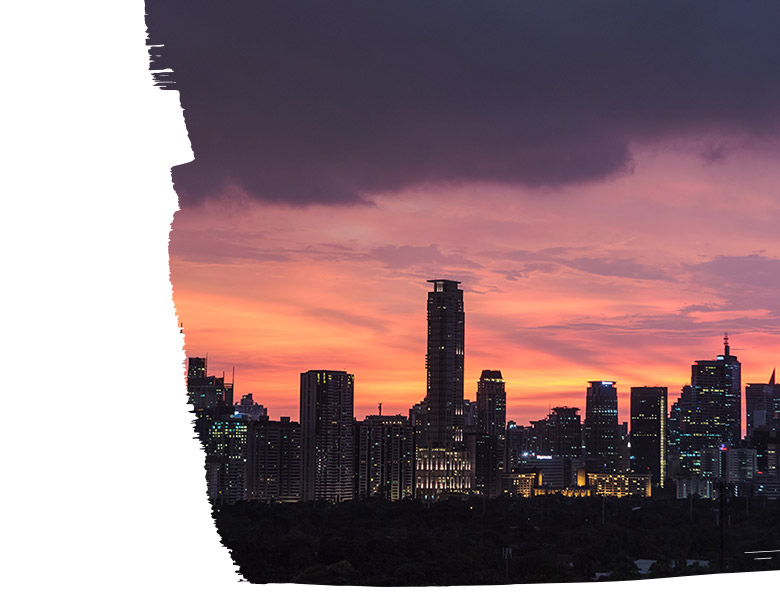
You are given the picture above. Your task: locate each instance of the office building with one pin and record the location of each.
(274, 460)
(249, 409)
(648, 432)
(327, 445)
(710, 411)
(443, 465)
(559, 434)
(384, 457)
(517, 444)
(762, 406)
(601, 433)
(226, 461)
(619, 484)
(490, 436)
(211, 397)
(741, 465)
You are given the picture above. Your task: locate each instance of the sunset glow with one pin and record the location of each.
(630, 279)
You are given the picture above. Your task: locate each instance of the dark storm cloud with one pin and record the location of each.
(311, 101)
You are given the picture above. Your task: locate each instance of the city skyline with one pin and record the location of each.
(624, 406)
(447, 294)
(609, 204)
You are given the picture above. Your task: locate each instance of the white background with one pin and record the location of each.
(102, 483)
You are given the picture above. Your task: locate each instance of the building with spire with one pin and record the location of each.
(762, 413)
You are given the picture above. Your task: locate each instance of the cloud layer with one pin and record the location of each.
(302, 101)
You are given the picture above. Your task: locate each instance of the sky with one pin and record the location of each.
(600, 176)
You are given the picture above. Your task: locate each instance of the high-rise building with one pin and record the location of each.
(762, 406)
(517, 444)
(274, 460)
(710, 411)
(249, 409)
(717, 398)
(490, 437)
(601, 434)
(327, 445)
(648, 432)
(211, 397)
(384, 457)
(443, 465)
(226, 461)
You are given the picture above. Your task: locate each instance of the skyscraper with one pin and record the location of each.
(274, 459)
(491, 433)
(226, 461)
(762, 405)
(442, 463)
(384, 456)
(648, 432)
(560, 433)
(211, 397)
(717, 398)
(601, 435)
(327, 447)
(444, 362)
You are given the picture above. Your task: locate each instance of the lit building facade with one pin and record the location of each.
(648, 432)
(619, 484)
(600, 433)
(327, 444)
(211, 397)
(274, 460)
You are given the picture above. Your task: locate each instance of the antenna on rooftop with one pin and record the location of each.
(380, 409)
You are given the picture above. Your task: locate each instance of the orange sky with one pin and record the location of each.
(630, 279)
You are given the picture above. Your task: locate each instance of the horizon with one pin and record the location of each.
(603, 182)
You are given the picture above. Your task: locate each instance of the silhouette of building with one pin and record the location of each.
(762, 406)
(619, 484)
(248, 408)
(384, 457)
(517, 444)
(490, 438)
(226, 461)
(443, 465)
(274, 460)
(327, 448)
(211, 398)
(709, 411)
(648, 432)
(560, 433)
(716, 389)
(600, 433)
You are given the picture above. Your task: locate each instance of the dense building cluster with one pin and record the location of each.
(449, 445)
